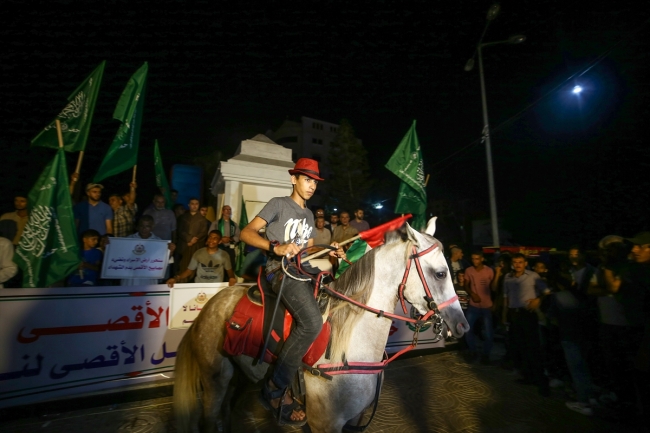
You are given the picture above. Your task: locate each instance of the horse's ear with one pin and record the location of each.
(431, 226)
(412, 235)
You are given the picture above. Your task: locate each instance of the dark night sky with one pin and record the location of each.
(567, 169)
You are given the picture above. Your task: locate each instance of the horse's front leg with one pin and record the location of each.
(331, 405)
(215, 387)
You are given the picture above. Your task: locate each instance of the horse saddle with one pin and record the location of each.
(251, 321)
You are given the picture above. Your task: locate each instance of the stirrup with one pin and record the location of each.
(283, 412)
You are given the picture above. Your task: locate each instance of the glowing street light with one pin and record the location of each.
(491, 15)
(577, 90)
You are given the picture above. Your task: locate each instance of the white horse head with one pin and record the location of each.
(437, 278)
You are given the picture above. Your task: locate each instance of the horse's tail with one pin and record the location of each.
(186, 386)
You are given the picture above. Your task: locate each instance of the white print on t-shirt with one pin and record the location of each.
(297, 231)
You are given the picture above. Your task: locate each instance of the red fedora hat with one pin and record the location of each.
(308, 167)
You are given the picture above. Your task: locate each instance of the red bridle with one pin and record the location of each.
(346, 367)
(415, 257)
(433, 307)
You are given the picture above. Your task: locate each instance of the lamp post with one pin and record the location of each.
(491, 15)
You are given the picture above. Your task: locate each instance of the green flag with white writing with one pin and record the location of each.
(407, 164)
(48, 250)
(76, 117)
(243, 222)
(123, 152)
(161, 178)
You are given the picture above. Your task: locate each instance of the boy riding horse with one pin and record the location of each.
(289, 228)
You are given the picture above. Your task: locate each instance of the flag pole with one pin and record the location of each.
(325, 251)
(77, 170)
(380, 229)
(58, 132)
(135, 169)
(59, 135)
(426, 181)
(81, 158)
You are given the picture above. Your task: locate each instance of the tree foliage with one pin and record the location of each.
(348, 162)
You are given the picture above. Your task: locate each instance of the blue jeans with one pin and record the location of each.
(474, 313)
(298, 297)
(579, 370)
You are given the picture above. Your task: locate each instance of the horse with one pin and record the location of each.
(378, 279)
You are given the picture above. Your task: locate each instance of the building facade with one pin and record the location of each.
(308, 138)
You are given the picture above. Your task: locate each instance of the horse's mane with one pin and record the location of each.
(356, 283)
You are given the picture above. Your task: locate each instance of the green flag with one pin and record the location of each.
(354, 253)
(161, 179)
(76, 116)
(123, 152)
(243, 222)
(48, 250)
(406, 163)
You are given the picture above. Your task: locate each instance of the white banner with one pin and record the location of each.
(187, 300)
(62, 342)
(65, 341)
(135, 258)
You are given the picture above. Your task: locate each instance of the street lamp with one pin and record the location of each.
(491, 15)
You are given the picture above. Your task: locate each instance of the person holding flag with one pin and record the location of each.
(289, 228)
(124, 210)
(48, 250)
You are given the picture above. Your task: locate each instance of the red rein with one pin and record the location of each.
(376, 367)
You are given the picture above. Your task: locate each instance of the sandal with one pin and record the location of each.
(283, 412)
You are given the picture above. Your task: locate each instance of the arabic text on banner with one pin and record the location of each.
(135, 258)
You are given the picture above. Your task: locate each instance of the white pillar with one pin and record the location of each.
(232, 197)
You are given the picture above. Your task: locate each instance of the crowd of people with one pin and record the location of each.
(569, 320)
(201, 250)
(573, 320)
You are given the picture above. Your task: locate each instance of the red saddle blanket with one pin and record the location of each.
(245, 334)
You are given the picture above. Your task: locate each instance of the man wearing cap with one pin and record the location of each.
(289, 228)
(94, 213)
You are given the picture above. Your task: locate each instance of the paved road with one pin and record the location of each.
(436, 392)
